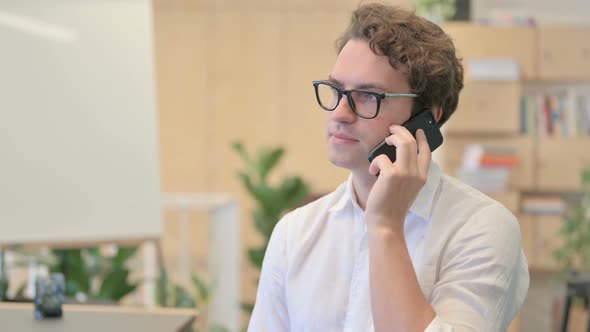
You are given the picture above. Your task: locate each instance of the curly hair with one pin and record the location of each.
(415, 46)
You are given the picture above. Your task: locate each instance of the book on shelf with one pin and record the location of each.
(561, 114)
(543, 205)
(487, 167)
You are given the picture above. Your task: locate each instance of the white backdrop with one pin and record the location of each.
(78, 127)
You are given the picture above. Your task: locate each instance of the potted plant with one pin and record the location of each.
(273, 199)
(574, 254)
(436, 11)
(91, 276)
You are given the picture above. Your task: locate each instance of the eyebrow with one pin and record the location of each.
(362, 86)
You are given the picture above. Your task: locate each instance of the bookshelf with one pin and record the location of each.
(543, 118)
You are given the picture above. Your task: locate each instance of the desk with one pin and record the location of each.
(16, 317)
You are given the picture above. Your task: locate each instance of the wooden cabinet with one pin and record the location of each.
(489, 113)
(487, 108)
(527, 235)
(545, 231)
(564, 53)
(477, 41)
(510, 199)
(560, 163)
(545, 53)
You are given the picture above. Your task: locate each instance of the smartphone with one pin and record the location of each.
(421, 120)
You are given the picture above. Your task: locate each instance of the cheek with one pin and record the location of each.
(378, 129)
(376, 133)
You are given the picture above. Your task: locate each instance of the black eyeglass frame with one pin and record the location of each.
(378, 97)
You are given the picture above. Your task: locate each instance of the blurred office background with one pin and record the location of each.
(210, 73)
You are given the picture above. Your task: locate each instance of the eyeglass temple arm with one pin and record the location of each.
(395, 95)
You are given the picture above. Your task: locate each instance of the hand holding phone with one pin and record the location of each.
(421, 120)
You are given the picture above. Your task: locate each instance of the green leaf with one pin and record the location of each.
(239, 148)
(217, 328)
(586, 177)
(73, 288)
(246, 181)
(159, 292)
(268, 160)
(182, 298)
(74, 271)
(295, 191)
(266, 196)
(4, 284)
(264, 223)
(123, 254)
(115, 285)
(247, 307)
(256, 256)
(201, 287)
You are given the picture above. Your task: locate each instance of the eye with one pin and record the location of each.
(364, 97)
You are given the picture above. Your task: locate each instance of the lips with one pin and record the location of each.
(343, 136)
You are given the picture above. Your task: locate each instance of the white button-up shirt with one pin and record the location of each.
(465, 249)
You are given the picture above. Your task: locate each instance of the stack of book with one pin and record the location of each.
(543, 205)
(487, 167)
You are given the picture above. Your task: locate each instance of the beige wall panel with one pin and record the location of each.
(184, 4)
(292, 6)
(545, 241)
(510, 199)
(527, 234)
(310, 56)
(487, 108)
(475, 41)
(182, 70)
(561, 161)
(246, 98)
(564, 53)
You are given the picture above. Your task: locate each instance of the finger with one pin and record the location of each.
(380, 162)
(400, 130)
(407, 151)
(424, 154)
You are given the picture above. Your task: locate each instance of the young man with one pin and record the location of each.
(410, 249)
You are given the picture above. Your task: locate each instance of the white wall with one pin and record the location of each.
(78, 129)
(546, 11)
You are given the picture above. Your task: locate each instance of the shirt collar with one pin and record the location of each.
(423, 204)
(348, 196)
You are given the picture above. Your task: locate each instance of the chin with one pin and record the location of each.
(344, 161)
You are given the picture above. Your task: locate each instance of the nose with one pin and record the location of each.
(343, 113)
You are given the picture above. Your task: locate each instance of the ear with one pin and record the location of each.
(437, 112)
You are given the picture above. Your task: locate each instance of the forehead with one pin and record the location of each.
(357, 65)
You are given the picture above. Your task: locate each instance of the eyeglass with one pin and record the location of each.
(363, 103)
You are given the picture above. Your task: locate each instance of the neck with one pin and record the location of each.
(362, 182)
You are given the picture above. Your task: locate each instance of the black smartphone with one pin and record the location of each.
(421, 120)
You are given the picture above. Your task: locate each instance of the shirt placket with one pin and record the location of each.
(359, 278)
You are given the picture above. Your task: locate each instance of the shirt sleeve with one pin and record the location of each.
(483, 275)
(270, 311)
